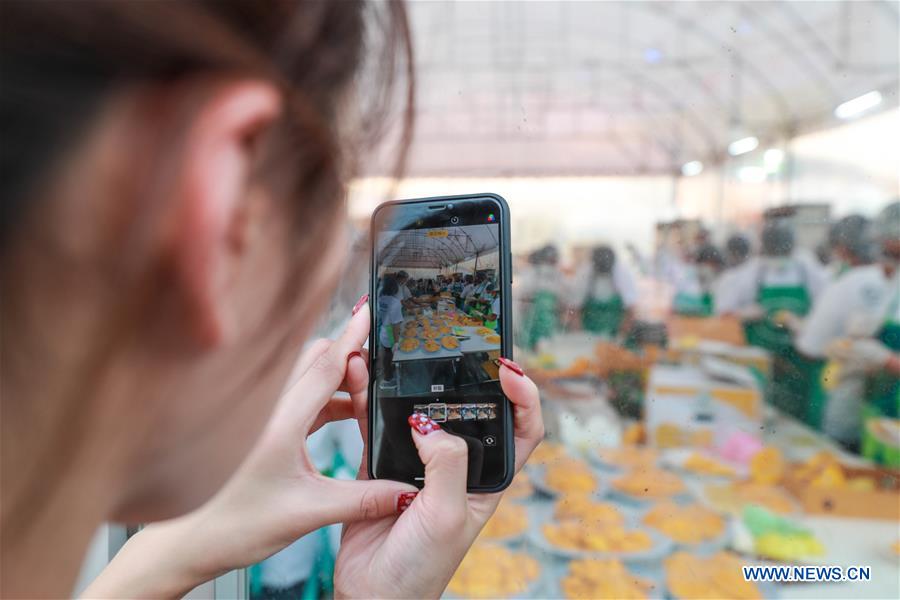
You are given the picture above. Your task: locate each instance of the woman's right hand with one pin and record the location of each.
(415, 555)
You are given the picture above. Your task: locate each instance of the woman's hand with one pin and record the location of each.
(414, 555)
(275, 497)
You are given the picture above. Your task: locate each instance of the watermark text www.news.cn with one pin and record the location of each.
(801, 573)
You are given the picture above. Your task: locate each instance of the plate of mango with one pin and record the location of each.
(565, 475)
(574, 538)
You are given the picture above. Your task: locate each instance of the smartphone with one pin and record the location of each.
(440, 295)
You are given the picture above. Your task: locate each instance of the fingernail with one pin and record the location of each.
(512, 366)
(404, 500)
(352, 354)
(422, 423)
(360, 303)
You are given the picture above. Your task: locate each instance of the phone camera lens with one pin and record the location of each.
(454, 220)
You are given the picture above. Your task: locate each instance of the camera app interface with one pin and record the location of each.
(437, 317)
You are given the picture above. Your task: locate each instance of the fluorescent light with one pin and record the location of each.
(653, 55)
(743, 146)
(751, 174)
(689, 169)
(858, 105)
(772, 159)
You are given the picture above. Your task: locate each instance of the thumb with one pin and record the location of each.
(446, 460)
(346, 500)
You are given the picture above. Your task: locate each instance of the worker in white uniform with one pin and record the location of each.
(403, 294)
(737, 252)
(541, 289)
(388, 318)
(695, 293)
(771, 294)
(845, 309)
(850, 244)
(607, 294)
(876, 351)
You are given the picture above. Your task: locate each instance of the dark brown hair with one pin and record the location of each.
(59, 62)
(60, 59)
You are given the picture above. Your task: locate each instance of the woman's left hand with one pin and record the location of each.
(274, 498)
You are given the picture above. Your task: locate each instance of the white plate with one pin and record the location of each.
(675, 459)
(554, 586)
(593, 455)
(541, 514)
(715, 544)
(536, 474)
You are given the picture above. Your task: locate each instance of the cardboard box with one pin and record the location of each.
(721, 329)
(881, 503)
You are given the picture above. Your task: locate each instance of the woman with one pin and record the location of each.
(541, 291)
(157, 283)
(390, 315)
(695, 297)
(772, 294)
(611, 294)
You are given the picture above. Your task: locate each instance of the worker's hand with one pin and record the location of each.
(274, 498)
(789, 320)
(753, 312)
(414, 555)
(865, 354)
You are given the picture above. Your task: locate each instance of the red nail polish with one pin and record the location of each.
(404, 500)
(352, 354)
(422, 423)
(512, 366)
(360, 303)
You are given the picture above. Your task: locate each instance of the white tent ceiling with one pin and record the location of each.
(412, 249)
(550, 88)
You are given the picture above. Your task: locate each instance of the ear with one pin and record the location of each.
(214, 203)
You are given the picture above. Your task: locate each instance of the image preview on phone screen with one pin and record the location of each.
(437, 339)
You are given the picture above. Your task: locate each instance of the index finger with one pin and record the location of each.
(326, 373)
(528, 422)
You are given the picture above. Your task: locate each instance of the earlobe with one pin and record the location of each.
(213, 205)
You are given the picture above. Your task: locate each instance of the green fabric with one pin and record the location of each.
(603, 316)
(795, 386)
(764, 332)
(491, 324)
(541, 321)
(693, 306)
(874, 448)
(883, 388)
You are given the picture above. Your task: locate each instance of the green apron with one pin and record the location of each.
(883, 388)
(795, 383)
(690, 305)
(603, 316)
(883, 395)
(540, 320)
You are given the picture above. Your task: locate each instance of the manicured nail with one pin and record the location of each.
(422, 423)
(512, 366)
(352, 354)
(404, 500)
(360, 303)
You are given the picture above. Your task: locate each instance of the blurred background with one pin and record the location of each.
(662, 160)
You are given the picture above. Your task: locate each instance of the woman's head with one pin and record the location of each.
(603, 259)
(389, 285)
(738, 247)
(777, 240)
(172, 209)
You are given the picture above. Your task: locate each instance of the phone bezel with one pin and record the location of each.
(505, 320)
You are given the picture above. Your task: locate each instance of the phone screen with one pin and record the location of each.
(439, 307)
